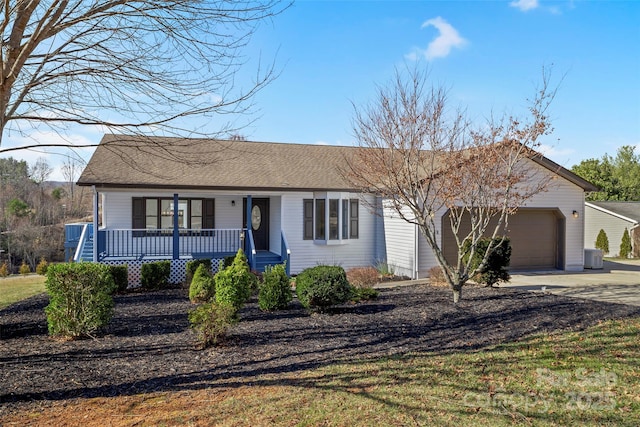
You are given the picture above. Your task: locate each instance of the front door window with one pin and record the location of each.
(256, 217)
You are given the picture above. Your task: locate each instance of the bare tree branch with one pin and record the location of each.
(126, 65)
(426, 160)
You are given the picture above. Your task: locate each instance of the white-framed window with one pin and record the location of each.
(157, 213)
(330, 218)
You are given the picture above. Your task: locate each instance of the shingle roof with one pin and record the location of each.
(629, 210)
(181, 163)
(205, 163)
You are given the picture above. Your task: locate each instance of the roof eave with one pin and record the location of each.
(565, 173)
(123, 186)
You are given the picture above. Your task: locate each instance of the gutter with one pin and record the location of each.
(607, 211)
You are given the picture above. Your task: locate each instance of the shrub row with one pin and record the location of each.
(222, 295)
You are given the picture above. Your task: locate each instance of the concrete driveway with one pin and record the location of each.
(618, 281)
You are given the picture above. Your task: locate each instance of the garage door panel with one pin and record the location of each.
(533, 234)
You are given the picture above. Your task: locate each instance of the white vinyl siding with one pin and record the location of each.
(596, 220)
(358, 252)
(400, 238)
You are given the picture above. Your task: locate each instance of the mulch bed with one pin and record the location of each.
(149, 347)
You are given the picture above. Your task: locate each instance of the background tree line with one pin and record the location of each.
(33, 210)
(618, 177)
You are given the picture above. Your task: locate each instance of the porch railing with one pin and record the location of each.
(85, 243)
(141, 243)
(250, 249)
(285, 252)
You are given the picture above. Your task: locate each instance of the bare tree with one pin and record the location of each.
(123, 64)
(40, 171)
(71, 170)
(425, 160)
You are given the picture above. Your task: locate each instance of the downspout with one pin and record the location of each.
(96, 235)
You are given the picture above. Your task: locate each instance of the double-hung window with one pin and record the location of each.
(330, 219)
(156, 213)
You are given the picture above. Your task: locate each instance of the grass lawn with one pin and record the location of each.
(16, 288)
(590, 377)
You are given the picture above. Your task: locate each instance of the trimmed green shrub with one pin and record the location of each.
(235, 283)
(211, 321)
(24, 269)
(275, 291)
(625, 244)
(80, 299)
(496, 268)
(363, 294)
(193, 265)
(203, 287)
(227, 261)
(42, 266)
(602, 242)
(120, 276)
(320, 287)
(155, 275)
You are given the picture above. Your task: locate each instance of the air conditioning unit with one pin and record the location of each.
(593, 259)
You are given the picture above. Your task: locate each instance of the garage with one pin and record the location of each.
(537, 239)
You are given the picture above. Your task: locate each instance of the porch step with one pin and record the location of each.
(87, 251)
(264, 258)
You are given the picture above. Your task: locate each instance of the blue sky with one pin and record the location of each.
(490, 54)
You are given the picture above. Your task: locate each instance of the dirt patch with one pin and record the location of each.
(148, 346)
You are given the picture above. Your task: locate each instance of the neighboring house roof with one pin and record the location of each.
(628, 211)
(122, 161)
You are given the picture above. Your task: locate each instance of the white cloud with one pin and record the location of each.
(558, 155)
(524, 5)
(441, 46)
(54, 156)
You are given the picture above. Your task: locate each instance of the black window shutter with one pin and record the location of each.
(138, 210)
(354, 216)
(308, 219)
(209, 213)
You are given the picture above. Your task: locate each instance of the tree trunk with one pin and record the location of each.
(457, 293)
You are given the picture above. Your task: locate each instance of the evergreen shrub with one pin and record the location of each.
(120, 274)
(193, 265)
(323, 286)
(211, 321)
(155, 275)
(80, 299)
(24, 269)
(275, 291)
(203, 286)
(42, 266)
(602, 242)
(496, 268)
(4, 269)
(235, 283)
(625, 244)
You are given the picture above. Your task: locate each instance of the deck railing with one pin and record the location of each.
(141, 243)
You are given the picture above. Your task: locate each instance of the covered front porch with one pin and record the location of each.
(189, 235)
